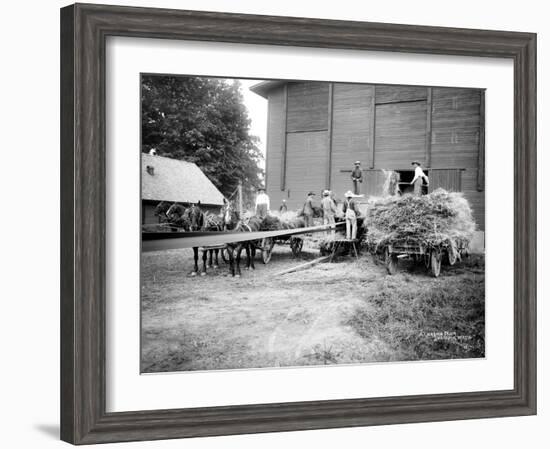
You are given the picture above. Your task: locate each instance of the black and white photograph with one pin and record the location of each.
(292, 223)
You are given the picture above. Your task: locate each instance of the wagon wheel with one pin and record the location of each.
(435, 262)
(296, 245)
(391, 262)
(267, 249)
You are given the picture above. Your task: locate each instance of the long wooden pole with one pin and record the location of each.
(303, 265)
(240, 196)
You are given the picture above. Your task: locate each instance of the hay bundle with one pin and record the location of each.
(441, 219)
(275, 221)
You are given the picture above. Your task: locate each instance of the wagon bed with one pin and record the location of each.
(431, 256)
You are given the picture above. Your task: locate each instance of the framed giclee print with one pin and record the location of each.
(273, 223)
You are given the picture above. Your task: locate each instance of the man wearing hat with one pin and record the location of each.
(262, 203)
(419, 176)
(356, 177)
(308, 209)
(329, 210)
(351, 212)
(283, 207)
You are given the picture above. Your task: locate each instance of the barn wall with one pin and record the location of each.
(392, 94)
(307, 159)
(403, 115)
(400, 135)
(307, 106)
(148, 212)
(351, 133)
(456, 139)
(274, 145)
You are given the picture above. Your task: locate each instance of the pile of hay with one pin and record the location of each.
(287, 220)
(441, 219)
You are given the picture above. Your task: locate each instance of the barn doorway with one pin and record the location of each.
(405, 178)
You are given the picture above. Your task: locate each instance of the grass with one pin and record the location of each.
(339, 313)
(437, 319)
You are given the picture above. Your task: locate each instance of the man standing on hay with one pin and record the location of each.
(329, 211)
(262, 203)
(351, 212)
(357, 177)
(419, 176)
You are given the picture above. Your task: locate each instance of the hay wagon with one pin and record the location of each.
(267, 244)
(431, 256)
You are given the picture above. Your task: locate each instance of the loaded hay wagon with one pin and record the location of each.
(279, 222)
(432, 229)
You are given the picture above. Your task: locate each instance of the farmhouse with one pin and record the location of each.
(316, 130)
(165, 179)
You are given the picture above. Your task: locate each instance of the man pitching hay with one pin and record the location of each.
(419, 176)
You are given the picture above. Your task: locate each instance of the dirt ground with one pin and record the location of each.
(262, 320)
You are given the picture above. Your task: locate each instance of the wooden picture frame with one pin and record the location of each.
(84, 29)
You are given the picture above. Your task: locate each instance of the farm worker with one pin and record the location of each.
(283, 208)
(351, 212)
(308, 209)
(329, 210)
(419, 175)
(262, 203)
(356, 177)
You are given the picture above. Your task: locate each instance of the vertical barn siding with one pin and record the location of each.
(274, 146)
(455, 140)
(400, 134)
(373, 183)
(307, 158)
(393, 94)
(352, 113)
(400, 137)
(307, 106)
(448, 179)
(148, 212)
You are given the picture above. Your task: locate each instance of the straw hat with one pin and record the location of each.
(357, 162)
(349, 194)
(326, 192)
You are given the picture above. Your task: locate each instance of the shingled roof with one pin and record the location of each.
(165, 179)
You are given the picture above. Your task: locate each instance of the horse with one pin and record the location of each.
(232, 222)
(203, 221)
(160, 211)
(176, 216)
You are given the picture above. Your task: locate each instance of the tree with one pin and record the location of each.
(201, 120)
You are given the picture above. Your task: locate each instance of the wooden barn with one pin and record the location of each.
(316, 130)
(165, 179)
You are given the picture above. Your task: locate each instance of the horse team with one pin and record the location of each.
(193, 219)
